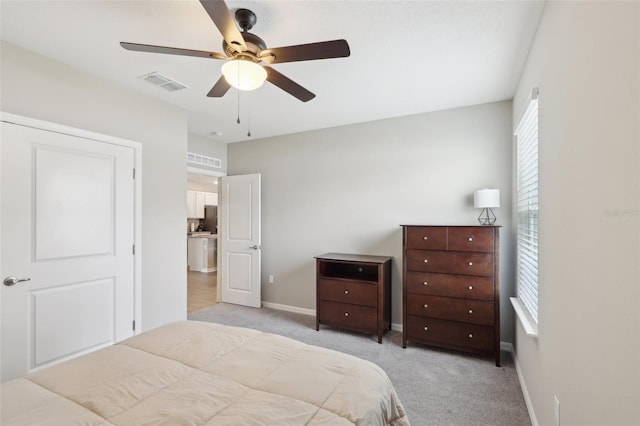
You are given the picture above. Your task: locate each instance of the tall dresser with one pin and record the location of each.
(450, 287)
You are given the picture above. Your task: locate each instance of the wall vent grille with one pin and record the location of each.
(203, 160)
(164, 82)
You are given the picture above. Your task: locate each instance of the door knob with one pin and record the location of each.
(254, 247)
(9, 281)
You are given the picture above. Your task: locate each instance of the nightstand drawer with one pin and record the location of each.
(461, 310)
(428, 330)
(470, 238)
(461, 286)
(427, 237)
(353, 292)
(343, 315)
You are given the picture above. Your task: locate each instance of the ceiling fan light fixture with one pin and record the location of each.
(244, 74)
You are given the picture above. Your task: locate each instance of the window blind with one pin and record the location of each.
(527, 208)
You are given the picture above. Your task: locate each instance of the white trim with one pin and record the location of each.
(523, 387)
(199, 171)
(529, 325)
(289, 308)
(533, 96)
(137, 220)
(506, 346)
(396, 327)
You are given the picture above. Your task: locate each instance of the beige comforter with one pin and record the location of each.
(196, 373)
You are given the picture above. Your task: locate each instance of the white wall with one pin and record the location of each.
(37, 87)
(585, 62)
(348, 189)
(209, 147)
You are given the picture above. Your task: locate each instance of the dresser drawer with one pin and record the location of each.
(427, 237)
(462, 286)
(480, 264)
(353, 292)
(429, 330)
(470, 238)
(471, 311)
(344, 315)
(431, 261)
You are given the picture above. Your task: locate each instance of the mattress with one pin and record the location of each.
(198, 373)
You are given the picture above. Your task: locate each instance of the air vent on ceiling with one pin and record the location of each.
(164, 82)
(203, 160)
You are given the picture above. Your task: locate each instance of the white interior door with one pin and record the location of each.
(239, 217)
(67, 226)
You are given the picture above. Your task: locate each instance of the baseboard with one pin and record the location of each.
(523, 386)
(396, 327)
(289, 308)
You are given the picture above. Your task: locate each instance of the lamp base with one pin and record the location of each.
(487, 217)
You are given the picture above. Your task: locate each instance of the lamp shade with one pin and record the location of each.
(486, 198)
(244, 74)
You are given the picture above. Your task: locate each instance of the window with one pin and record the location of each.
(527, 210)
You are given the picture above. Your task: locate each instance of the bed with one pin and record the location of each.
(199, 373)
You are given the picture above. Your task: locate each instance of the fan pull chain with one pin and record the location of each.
(238, 120)
(238, 90)
(248, 115)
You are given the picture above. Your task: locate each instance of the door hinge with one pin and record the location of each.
(134, 325)
(133, 248)
(134, 173)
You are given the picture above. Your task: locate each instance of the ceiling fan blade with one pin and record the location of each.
(307, 52)
(288, 85)
(221, 17)
(219, 89)
(171, 50)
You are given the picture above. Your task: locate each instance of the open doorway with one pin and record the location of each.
(202, 239)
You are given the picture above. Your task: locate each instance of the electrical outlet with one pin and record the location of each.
(556, 409)
(270, 279)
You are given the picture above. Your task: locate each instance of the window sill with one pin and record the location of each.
(529, 325)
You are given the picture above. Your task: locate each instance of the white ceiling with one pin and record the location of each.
(407, 57)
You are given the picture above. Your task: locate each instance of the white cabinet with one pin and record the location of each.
(191, 205)
(196, 201)
(210, 199)
(201, 254)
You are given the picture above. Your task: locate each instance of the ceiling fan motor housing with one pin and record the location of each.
(254, 45)
(246, 20)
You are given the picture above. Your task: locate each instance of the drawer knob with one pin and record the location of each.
(346, 292)
(470, 287)
(470, 311)
(470, 263)
(425, 238)
(426, 261)
(426, 328)
(470, 238)
(346, 314)
(425, 283)
(426, 306)
(470, 336)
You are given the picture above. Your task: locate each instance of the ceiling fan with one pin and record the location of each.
(245, 52)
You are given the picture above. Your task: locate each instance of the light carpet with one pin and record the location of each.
(436, 387)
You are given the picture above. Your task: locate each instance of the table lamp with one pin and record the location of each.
(486, 199)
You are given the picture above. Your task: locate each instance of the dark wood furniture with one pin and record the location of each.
(450, 287)
(353, 292)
